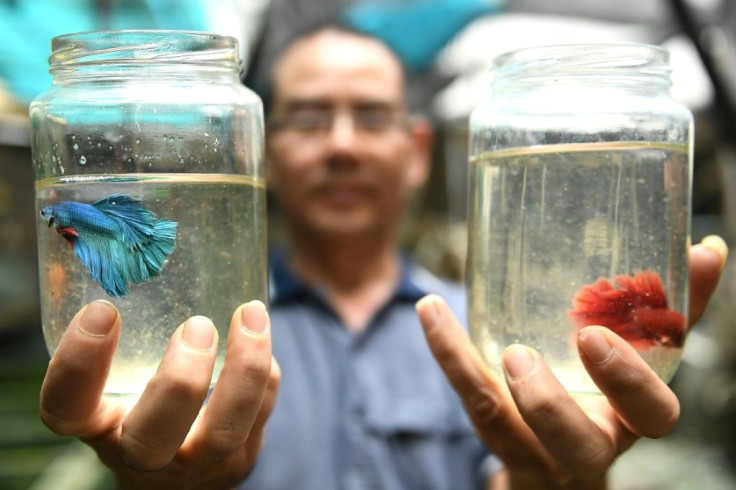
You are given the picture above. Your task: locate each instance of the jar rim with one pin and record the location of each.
(143, 46)
(582, 58)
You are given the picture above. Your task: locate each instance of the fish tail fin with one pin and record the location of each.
(138, 250)
(154, 251)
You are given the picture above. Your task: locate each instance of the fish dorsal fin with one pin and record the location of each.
(136, 221)
(115, 200)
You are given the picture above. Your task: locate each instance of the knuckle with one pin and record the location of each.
(57, 424)
(184, 386)
(141, 454)
(257, 369)
(222, 443)
(540, 408)
(253, 364)
(66, 421)
(483, 407)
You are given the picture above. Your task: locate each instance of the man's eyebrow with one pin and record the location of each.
(294, 104)
(380, 104)
(305, 103)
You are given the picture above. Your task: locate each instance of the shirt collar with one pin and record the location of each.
(285, 286)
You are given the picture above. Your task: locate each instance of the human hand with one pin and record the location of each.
(545, 438)
(167, 439)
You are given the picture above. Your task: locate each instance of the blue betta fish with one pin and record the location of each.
(116, 238)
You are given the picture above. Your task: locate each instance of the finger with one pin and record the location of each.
(241, 386)
(156, 427)
(576, 441)
(632, 388)
(484, 396)
(459, 360)
(707, 260)
(255, 438)
(72, 389)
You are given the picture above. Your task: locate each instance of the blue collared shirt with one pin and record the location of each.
(360, 411)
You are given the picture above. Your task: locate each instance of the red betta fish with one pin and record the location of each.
(635, 307)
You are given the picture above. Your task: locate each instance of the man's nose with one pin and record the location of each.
(343, 131)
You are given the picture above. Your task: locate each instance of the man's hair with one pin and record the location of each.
(266, 92)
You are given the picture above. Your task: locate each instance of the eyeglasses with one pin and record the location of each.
(320, 120)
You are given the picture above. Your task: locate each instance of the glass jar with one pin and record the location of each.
(148, 155)
(579, 206)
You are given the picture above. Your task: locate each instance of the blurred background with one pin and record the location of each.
(448, 46)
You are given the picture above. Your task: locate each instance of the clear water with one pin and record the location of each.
(219, 262)
(547, 220)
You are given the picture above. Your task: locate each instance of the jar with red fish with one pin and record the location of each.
(579, 206)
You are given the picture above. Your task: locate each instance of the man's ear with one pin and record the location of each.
(420, 161)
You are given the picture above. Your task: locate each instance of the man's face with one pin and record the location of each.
(342, 156)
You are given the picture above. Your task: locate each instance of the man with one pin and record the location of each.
(362, 403)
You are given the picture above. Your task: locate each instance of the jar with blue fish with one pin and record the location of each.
(148, 156)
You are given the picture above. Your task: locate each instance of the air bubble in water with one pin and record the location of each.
(75, 146)
(83, 160)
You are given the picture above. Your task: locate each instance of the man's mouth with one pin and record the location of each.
(344, 193)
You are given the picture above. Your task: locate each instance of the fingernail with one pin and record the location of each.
(595, 345)
(98, 318)
(198, 333)
(428, 311)
(254, 318)
(717, 244)
(519, 361)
